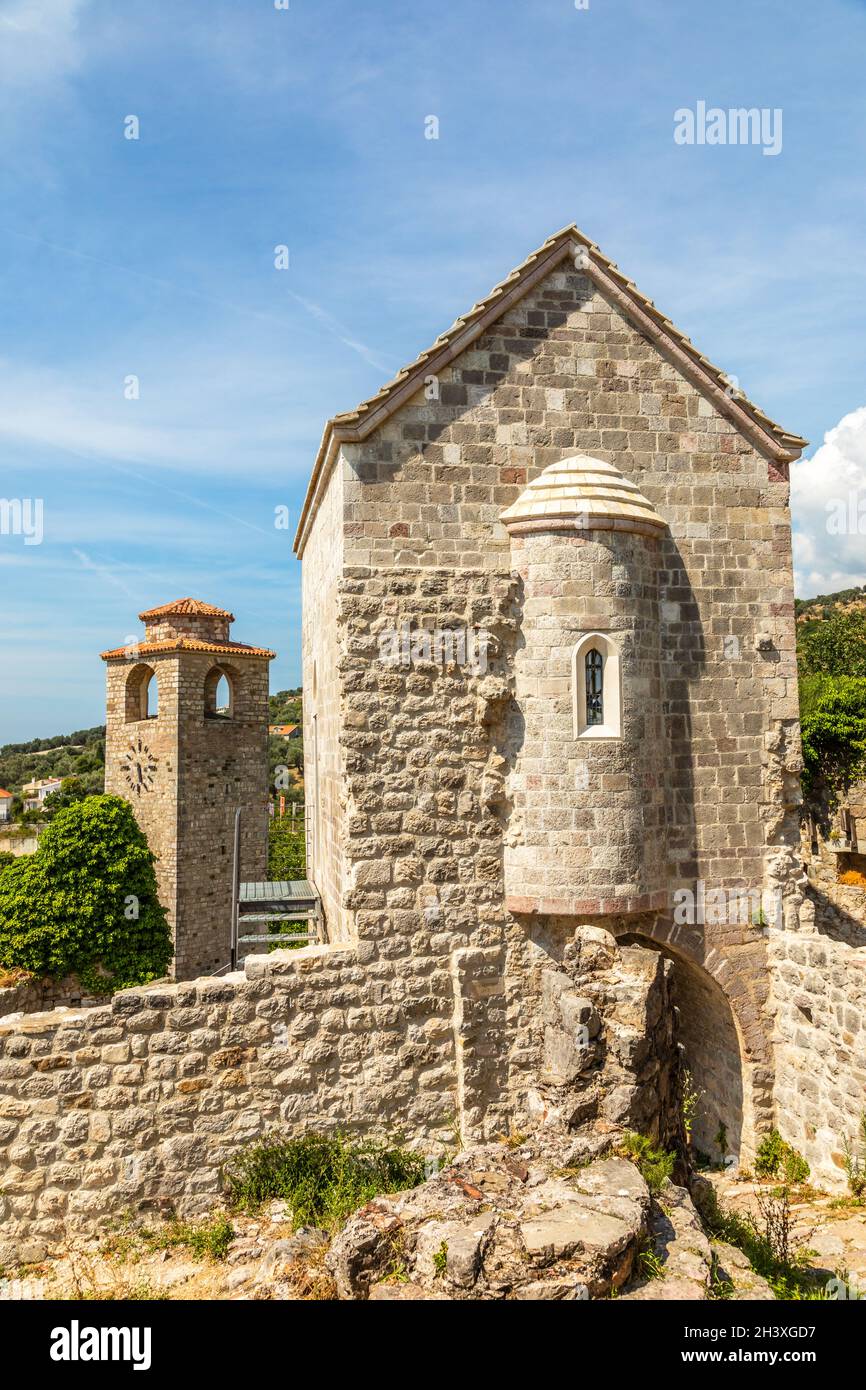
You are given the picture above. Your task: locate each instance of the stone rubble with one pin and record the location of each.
(499, 1224)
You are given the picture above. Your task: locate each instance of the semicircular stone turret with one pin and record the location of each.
(587, 820)
(581, 493)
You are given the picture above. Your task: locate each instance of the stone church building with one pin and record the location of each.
(550, 681)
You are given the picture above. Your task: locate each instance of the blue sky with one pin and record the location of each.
(258, 127)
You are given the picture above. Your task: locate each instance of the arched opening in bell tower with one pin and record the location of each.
(219, 693)
(142, 694)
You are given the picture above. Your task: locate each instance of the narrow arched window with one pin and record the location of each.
(594, 670)
(596, 686)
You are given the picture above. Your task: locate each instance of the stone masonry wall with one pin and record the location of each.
(134, 1108)
(819, 987)
(564, 371)
(33, 995)
(320, 640)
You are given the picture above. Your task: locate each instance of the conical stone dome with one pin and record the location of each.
(581, 493)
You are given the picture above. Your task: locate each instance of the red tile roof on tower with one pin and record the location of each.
(5, 794)
(189, 607)
(133, 650)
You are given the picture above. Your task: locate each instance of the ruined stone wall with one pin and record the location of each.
(320, 641)
(33, 995)
(819, 987)
(133, 1108)
(137, 1105)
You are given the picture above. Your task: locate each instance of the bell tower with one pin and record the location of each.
(186, 745)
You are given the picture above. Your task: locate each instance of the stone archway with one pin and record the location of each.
(722, 1032)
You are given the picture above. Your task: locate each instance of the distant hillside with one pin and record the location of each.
(285, 707)
(81, 754)
(845, 600)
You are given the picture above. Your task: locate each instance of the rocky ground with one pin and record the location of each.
(548, 1219)
(833, 1229)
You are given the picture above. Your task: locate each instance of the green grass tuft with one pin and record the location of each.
(776, 1158)
(323, 1178)
(789, 1278)
(655, 1165)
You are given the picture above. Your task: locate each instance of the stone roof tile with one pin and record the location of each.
(354, 425)
(583, 493)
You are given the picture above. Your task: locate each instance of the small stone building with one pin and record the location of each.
(550, 679)
(186, 744)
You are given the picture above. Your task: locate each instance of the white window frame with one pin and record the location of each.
(611, 687)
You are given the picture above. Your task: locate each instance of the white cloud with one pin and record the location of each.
(199, 414)
(39, 41)
(828, 501)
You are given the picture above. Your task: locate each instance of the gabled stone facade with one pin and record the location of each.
(464, 828)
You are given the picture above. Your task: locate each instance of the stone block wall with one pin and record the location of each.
(135, 1107)
(33, 995)
(321, 639)
(819, 989)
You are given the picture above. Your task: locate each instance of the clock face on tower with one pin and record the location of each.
(138, 766)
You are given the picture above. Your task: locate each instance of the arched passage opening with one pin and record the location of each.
(711, 1050)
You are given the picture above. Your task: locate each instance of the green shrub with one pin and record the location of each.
(787, 1274)
(86, 902)
(776, 1158)
(323, 1178)
(287, 857)
(834, 733)
(855, 1161)
(655, 1165)
(205, 1239)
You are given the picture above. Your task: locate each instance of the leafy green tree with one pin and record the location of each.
(86, 902)
(833, 721)
(286, 849)
(835, 647)
(72, 789)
